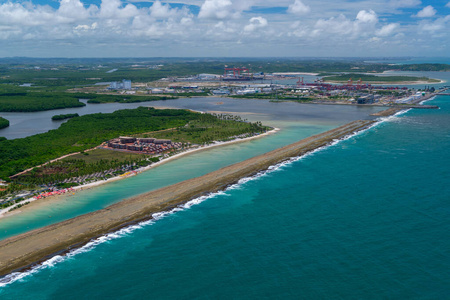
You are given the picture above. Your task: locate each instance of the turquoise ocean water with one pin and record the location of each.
(366, 218)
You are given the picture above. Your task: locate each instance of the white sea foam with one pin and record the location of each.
(432, 98)
(393, 118)
(17, 276)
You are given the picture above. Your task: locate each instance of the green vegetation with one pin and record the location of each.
(12, 188)
(60, 74)
(85, 132)
(101, 163)
(373, 78)
(63, 117)
(36, 101)
(3, 123)
(105, 98)
(19, 99)
(422, 67)
(71, 171)
(209, 128)
(97, 155)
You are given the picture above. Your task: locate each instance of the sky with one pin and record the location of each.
(225, 28)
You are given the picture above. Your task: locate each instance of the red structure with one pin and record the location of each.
(238, 70)
(359, 82)
(300, 82)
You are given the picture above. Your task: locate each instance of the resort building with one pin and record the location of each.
(143, 145)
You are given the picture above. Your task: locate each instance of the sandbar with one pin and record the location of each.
(24, 250)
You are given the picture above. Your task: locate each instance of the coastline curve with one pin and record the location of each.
(25, 250)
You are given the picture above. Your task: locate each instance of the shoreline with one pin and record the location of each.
(10, 211)
(394, 82)
(25, 250)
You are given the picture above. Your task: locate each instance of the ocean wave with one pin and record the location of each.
(424, 101)
(18, 276)
(393, 118)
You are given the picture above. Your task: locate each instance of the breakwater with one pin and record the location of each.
(388, 112)
(395, 109)
(23, 250)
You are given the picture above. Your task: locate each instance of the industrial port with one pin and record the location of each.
(240, 82)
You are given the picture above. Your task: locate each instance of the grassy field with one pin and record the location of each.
(208, 130)
(97, 155)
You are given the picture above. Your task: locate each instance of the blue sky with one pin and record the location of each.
(199, 28)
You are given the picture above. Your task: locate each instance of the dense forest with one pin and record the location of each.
(3, 123)
(64, 117)
(37, 101)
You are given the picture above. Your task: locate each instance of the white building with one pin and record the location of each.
(117, 85)
(246, 92)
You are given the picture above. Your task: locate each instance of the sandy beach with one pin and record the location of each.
(26, 249)
(6, 212)
(394, 82)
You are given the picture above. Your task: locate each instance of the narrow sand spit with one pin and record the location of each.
(6, 212)
(24, 250)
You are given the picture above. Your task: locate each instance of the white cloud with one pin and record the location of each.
(448, 4)
(24, 15)
(367, 16)
(216, 9)
(388, 29)
(112, 9)
(255, 23)
(426, 12)
(85, 29)
(73, 9)
(438, 26)
(340, 25)
(298, 8)
(324, 27)
(161, 11)
(337, 28)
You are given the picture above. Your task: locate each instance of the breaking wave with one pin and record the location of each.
(17, 276)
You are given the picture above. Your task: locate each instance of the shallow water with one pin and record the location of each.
(365, 218)
(296, 122)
